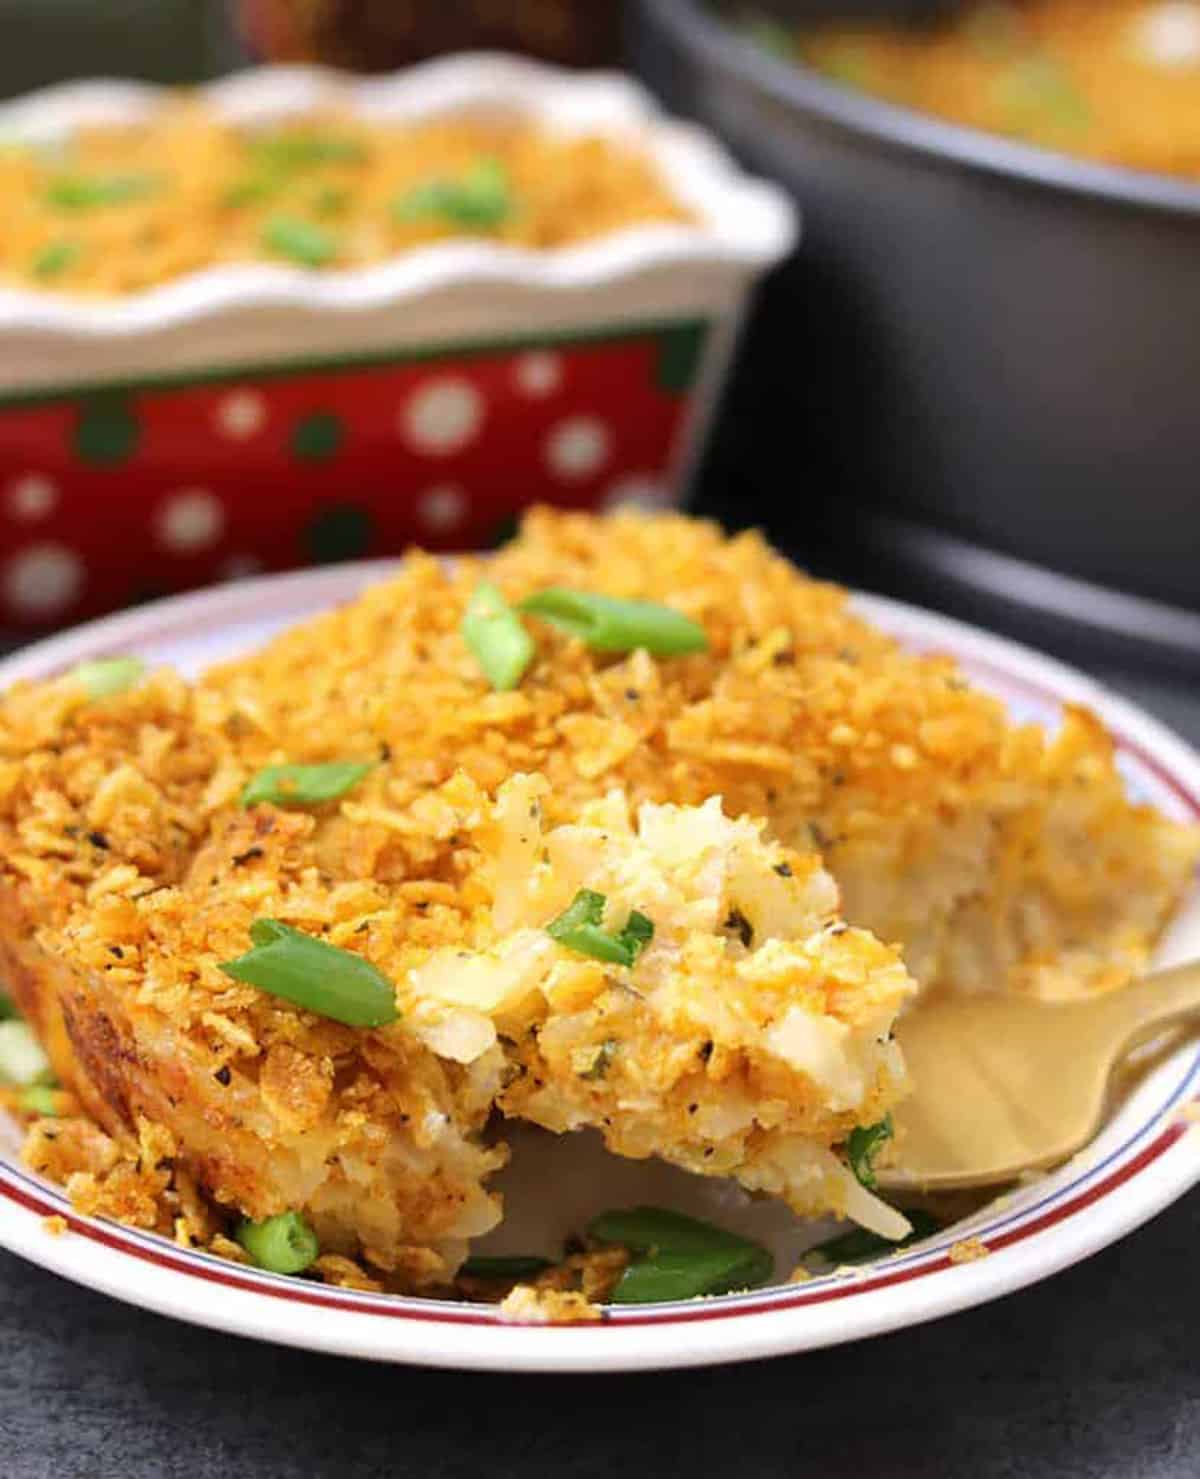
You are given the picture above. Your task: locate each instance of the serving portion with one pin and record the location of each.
(551, 838)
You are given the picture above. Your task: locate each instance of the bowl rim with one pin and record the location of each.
(744, 225)
(891, 125)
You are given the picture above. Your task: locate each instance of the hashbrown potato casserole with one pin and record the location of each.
(730, 794)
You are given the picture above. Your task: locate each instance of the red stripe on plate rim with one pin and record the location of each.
(214, 1271)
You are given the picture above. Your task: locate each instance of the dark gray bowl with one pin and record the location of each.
(1007, 340)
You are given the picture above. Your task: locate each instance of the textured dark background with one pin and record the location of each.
(1092, 1375)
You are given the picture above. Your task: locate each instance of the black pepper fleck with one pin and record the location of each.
(741, 926)
(784, 870)
(224, 1076)
(98, 839)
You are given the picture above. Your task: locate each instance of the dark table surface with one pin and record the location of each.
(1092, 1374)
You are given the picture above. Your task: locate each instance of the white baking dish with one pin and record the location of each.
(160, 405)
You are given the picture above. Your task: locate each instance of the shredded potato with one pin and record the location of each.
(812, 821)
(117, 210)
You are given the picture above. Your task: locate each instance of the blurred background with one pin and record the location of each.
(974, 384)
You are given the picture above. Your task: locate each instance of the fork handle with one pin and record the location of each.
(1153, 1002)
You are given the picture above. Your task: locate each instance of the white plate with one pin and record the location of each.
(1148, 1155)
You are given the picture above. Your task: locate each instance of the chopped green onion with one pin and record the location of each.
(677, 1257)
(330, 201)
(283, 1245)
(847, 62)
(498, 1267)
(612, 625)
(480, 198)
(305, 785)
(498, 641)
(251, 191)
(22, 1060)
(311, 974)
(863, 1144)
(39, 1099)
(8, 1008)
(301, 241)
(82, 192)
(299, 151)
(1036, 93)
(55, 257)
(104, 677)
(637, 934)
(860, 1246)
(580, 928)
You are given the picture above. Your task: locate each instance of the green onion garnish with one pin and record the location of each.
(54, 258)
(82, 192)
(480, 198)
(22, 1060)
(331, 200)
(299, 151)
(282, 1245)
(1037, 93)
(301, 241)
(863, 1144)
(103, 677)
(498, 1267)
(580, 928)
(8, 1008)
(39, 1099)
(498, 641)
(847, 62)
(677, 1257)
(319, 977)
(252, 190)
(860, 1246)
(612, 625)
(305, 785)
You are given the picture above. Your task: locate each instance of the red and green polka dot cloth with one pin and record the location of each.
(114, 495)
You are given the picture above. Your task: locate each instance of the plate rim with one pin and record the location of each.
(1153, 1167)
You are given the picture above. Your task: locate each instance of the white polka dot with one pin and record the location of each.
(240, 414)
(42, 580)
(539, 373)
(638, 490)
(442, 508)
(442, 417)
(31, 497)
(190, 520)
(578, 448)
(238, 567)
(1168, 35)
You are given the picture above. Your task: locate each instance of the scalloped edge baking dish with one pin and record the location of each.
(257, 416)
(451, 290)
